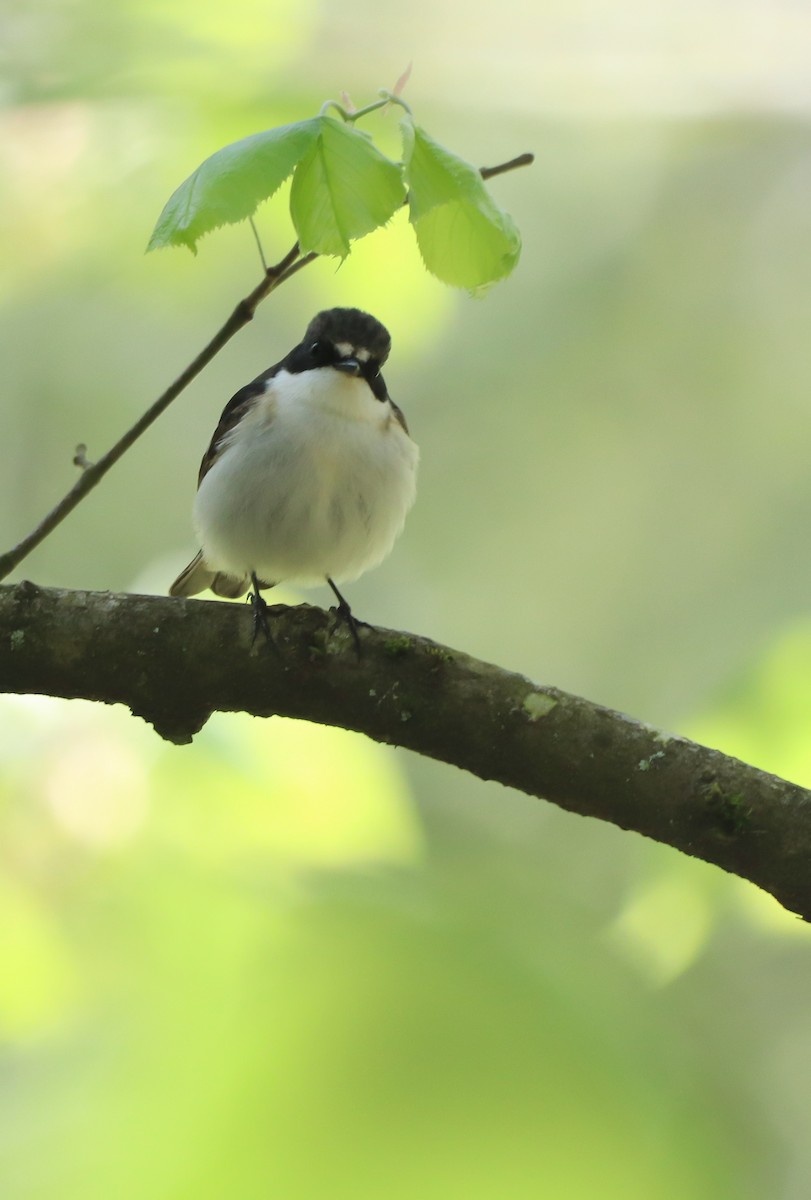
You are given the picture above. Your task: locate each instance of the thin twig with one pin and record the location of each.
(523, 160)
(295, 267)
(242, 315)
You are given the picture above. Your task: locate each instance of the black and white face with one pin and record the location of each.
(348, 340)
(350, 328)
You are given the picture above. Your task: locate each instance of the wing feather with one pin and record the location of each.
(236, 408)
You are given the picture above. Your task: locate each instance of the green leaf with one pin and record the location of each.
(229, 185)
(342, 189)
(465, 239)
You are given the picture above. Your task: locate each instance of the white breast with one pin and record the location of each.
(315, 481)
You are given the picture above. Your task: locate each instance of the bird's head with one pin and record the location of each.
(346, 339)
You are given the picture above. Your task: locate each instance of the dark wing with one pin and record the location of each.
(378, 385)
(397, 413)
(233, 413)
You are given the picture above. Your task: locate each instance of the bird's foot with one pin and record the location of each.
(343, 610)
(261, 624)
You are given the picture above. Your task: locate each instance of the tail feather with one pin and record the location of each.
(229, 585)
(198, 576)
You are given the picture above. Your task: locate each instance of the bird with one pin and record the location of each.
(310, 472)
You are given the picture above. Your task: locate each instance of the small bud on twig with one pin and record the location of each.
(80, 458)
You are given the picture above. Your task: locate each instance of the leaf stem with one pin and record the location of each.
(393, 98)
(322, 112)
(359, 112)
(259, 245)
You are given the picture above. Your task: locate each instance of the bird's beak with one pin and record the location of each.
(350, 365)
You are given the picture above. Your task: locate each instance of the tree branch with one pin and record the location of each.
(93, 473)
(174, 662)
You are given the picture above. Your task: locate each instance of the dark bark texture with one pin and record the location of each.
(174, 662)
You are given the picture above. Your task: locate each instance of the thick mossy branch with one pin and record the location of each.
(174, 662)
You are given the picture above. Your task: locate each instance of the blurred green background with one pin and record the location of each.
(287, 962)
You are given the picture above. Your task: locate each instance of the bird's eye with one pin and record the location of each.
(322, 352)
